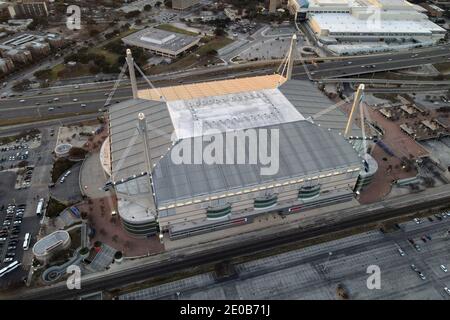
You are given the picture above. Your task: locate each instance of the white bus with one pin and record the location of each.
(9, 268)
(40, 207)
(26, 241)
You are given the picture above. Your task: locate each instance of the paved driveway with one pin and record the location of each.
(69, 190)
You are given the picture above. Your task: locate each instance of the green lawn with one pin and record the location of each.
(214, 44)
(83, 70)
(171, 28)
(443, 68)
(110, 57)
(56, 69)
(79, 70)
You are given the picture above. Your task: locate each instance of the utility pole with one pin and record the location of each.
(328, 259)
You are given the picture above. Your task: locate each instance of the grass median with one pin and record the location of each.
(25, 120)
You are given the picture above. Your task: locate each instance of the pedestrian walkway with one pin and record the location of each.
(92, 177)
(102, 259)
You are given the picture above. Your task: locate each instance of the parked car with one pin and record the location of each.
(447, 290)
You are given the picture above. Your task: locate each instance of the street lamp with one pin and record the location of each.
(328, 259)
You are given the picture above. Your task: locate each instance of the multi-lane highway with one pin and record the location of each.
(92, 98)
(377, 63)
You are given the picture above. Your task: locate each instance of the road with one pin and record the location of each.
(94, 95)
(313, 273)
(384, 62)
(391, 208)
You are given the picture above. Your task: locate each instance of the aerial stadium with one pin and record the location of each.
(317, 164)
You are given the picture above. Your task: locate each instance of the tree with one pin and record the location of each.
(43, 74)
(219, 32)
(38, 22)
(147, 8)
(93, 32)
(22, 164)
(132, 14)
(21, 85)
(78, 153)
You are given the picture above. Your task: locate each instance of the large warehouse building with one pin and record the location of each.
(387, 21)
(316, 166)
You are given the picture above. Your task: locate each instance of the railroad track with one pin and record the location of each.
(144, 271)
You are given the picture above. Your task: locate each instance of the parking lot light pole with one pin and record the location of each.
(328, 259)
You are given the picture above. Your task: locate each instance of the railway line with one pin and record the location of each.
(388, 210)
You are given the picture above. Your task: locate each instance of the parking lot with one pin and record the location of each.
(18, 202)
(10, 227)
(12, 154)
(315, 272)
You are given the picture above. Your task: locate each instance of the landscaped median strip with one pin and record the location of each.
(24, 120)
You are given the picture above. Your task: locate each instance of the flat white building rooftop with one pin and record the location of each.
(346, 23)
(237, 111)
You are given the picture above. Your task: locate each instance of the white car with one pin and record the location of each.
(447, 290)
(444, 268)
(55, 99)
(22, 101)
(75, 100)
(7, 260)
(51, 109)
(417, 220)
(62, 180)
(67, 174)
(401, 252)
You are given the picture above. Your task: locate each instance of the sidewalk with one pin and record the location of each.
(332, 216)
(93, 176)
